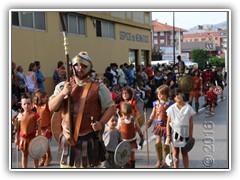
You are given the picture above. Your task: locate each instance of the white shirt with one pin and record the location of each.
(180, 118)
(115, 80)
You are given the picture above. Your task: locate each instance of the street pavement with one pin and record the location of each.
(211, 149)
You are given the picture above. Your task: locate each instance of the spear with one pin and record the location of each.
(68, 70)
(145, 116)
(71, 163)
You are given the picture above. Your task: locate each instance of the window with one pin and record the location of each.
(144, 57)
(105, 29)
(33, 20)
(132, 56)
(72, 24)
(39, 20)
(162, 33)
(155, 34)
(15, 20)
(75, 24)
(155, 41)
(162, 41)
(26, 19)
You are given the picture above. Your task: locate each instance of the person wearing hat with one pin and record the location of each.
(208, 77)
(92, 107)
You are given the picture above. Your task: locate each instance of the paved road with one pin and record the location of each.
(211, 149)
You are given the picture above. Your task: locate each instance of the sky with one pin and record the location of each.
(187, 20)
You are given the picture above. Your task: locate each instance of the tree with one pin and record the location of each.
(218, 62)
(200, 56)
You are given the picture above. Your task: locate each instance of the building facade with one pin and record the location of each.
(163, 35)
(120, 37)
(213, 42)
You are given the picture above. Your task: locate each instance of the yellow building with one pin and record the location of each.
(109, 36)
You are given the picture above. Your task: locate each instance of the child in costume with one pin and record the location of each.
(128, 96)
(159, 116)
(128, 127)
(27, 129)
(179, 127)
(111, 137)
(196, 92)
(40, 101)
(212, 99)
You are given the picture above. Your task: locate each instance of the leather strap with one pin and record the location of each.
(80, 110)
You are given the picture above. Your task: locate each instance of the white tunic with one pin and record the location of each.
(180, 122)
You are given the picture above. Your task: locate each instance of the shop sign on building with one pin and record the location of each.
(133, 37)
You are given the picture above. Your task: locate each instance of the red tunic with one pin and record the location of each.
(208, 79)
(211, 96)
(45, 120)
(196, 88)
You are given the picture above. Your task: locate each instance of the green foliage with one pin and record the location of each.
(218, 62)
(200, 56)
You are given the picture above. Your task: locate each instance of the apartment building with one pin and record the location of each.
(163, 35)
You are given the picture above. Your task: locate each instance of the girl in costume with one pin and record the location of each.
(128, 96)
(159, 116)
(196, 92)
(40, 101)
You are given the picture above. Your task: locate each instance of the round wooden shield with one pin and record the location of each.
(186, 84)
(56, 124)
(122, 153)
(38, 147)
(217, 90)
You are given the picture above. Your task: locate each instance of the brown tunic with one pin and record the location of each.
(28, 127)
(92, 109)
(128, 132)
(86, 151)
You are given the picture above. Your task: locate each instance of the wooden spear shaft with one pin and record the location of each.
(145, 116)
(68, 71)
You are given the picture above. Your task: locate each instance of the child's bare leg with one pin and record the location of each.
(185, 158)
(175, 151)
(36, 163)
(24, 159)
(213, 107)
